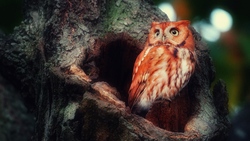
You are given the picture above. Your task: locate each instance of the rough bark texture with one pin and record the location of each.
(72, 63)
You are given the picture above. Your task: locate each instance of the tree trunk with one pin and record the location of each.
(72, 62)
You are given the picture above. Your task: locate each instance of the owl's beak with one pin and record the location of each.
(164, 38)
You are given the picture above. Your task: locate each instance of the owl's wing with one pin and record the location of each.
(136, 89)
(139, 81)
(140, 76)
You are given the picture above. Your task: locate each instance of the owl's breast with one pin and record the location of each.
(157, 52)
(161, 72)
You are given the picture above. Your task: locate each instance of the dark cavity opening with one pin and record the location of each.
(116, 61)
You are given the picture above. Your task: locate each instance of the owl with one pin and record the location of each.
(164, 66)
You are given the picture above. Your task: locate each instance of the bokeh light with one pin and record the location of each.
(207, 31)
(169, 10)
(221, 19)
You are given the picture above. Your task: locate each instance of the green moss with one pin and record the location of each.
(117, 12)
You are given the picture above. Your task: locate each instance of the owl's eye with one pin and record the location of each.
(174, 32)
(157, 32)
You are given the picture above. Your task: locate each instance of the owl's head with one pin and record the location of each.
(170, 33)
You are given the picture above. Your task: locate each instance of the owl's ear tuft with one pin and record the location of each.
(185, 22)
(154, 23)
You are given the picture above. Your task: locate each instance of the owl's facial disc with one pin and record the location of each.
(169, 36)
(157, 33)
(174, 32)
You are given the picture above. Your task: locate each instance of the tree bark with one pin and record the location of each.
(72, 62)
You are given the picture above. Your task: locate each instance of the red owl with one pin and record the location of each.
(164, 66)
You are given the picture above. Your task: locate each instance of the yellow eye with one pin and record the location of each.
(157, 32)
(174, 32)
